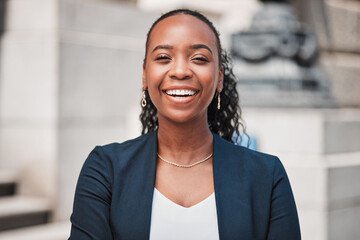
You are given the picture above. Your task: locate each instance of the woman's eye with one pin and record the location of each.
(162, 57)
(200, 60)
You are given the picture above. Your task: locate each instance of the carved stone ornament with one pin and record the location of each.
(275, 61)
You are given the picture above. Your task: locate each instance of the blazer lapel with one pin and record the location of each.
(135, 203)
(231, 190)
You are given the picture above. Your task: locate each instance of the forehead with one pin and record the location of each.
(182, 28)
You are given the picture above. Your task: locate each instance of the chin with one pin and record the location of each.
(183, 117)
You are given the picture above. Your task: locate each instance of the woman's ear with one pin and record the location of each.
(144, 78)
(221, 80)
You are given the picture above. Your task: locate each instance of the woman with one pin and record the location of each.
(184, 179)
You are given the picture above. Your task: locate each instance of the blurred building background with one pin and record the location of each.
(70, 79)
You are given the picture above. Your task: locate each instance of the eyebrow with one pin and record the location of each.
(198, 46)
(195, 46)
(162, 47)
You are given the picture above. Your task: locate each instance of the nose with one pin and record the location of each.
(180, 69)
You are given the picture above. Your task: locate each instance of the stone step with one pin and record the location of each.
(8, 181)
(20, 211)
(50, 231)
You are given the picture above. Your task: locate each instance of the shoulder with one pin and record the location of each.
(118, 155)
(116, 149)
(254, 162)
(243, 154)
(111, 150)
(260, 164)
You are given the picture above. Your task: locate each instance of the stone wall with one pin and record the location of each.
(71, 76)
(342, 58)
(320, 150)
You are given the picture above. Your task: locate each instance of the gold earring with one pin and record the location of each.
(219, 100)
(143, 101)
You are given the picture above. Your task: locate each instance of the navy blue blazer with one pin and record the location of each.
(113, 198)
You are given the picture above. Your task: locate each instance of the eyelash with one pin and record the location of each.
(201, 59)
(162, 57)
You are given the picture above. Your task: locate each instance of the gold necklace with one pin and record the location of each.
(184, 166)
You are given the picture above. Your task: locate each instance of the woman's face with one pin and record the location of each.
(181, 70)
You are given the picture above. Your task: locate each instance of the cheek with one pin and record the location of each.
(208, 78)
(154, 78)
(154, 75)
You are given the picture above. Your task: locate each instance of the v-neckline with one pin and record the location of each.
(202, 202)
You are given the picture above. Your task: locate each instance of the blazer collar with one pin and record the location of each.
(228, 186)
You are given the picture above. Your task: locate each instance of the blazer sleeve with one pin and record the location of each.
(284, 222)
(91, 210)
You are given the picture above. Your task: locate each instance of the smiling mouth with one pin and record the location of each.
(181, 93)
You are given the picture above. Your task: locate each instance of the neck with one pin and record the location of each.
(184, 143)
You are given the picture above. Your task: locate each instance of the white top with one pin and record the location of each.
(172, 221)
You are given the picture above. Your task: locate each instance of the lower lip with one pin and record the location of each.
(181, 100)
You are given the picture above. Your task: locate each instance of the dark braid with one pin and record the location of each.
(224, 122)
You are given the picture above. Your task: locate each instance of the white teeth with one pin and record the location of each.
(180, 92)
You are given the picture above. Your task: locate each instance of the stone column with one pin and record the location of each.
(29, 92)
(101, 50)
(342, 59)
